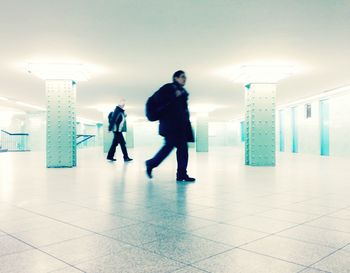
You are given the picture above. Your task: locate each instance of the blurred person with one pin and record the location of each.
(171, 108)
(117, 125)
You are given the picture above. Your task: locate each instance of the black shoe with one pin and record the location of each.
(185, 178)
(148, 170)
(127, 159)
(111, 159)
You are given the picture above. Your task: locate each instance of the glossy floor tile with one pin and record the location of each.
(31, 261)
(186, 248)
(338, 262)
(129, 261)
(84, 248)
(289, 250)
(10, 245)
(109, 217)
(241, 261)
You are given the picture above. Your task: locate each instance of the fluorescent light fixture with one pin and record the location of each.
(59, 71)
(12, 111)
(30, 106)
(262, 73)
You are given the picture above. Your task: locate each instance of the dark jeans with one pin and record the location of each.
(170, 143)
(118, 139)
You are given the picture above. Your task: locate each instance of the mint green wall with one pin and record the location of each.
(309, 129)
(129, 135)
(146, 134)
(99, 134)
(35, 126)
(224, 134)
(107, 136)
(202, 140)
(339, 125)
(324, 127)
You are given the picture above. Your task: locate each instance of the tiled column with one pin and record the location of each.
(202, 138)
(99, 135)
(260, 124)
(61, 124)
(107, 136)
(130, 135)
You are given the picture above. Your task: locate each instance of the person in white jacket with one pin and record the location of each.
(117, 125)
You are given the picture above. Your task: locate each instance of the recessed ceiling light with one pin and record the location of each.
(30, 105)
(59, 71)
(262, 73)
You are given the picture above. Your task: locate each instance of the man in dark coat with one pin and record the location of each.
(117, 125)
(174, 126)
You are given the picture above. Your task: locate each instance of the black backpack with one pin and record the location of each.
(110, 121)
(152, 109)
(155, 105)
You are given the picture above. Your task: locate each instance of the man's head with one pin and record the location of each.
(179, 77)
(122, 103)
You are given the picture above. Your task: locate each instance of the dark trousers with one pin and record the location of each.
(117, 139)
(181, 153)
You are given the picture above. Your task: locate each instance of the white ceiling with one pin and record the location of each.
(138, 44)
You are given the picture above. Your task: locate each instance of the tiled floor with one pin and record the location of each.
(108, 217)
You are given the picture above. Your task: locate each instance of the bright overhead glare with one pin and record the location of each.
(4, 99)
(59, 71)
(87, 121)
(104, 108)
(262, 73)
(30, 106)
(203, 108)
(107, 108)
(134, 118)
(6, 116)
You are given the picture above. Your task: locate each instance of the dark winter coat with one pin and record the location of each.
(175, 117)
(116, 119)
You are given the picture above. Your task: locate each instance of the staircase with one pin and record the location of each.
(13, 142)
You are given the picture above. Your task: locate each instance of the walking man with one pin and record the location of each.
(174, 126)
(117, 124)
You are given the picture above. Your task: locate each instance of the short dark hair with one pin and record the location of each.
(178, 74)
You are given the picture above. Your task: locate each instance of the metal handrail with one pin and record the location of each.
(87, 137)
(15, 134)
(14, 142)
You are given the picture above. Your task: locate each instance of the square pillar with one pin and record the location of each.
(202, 136)
(107, 136)
(99, 135)
(130, 135)
(61, 124)
(260, 124)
